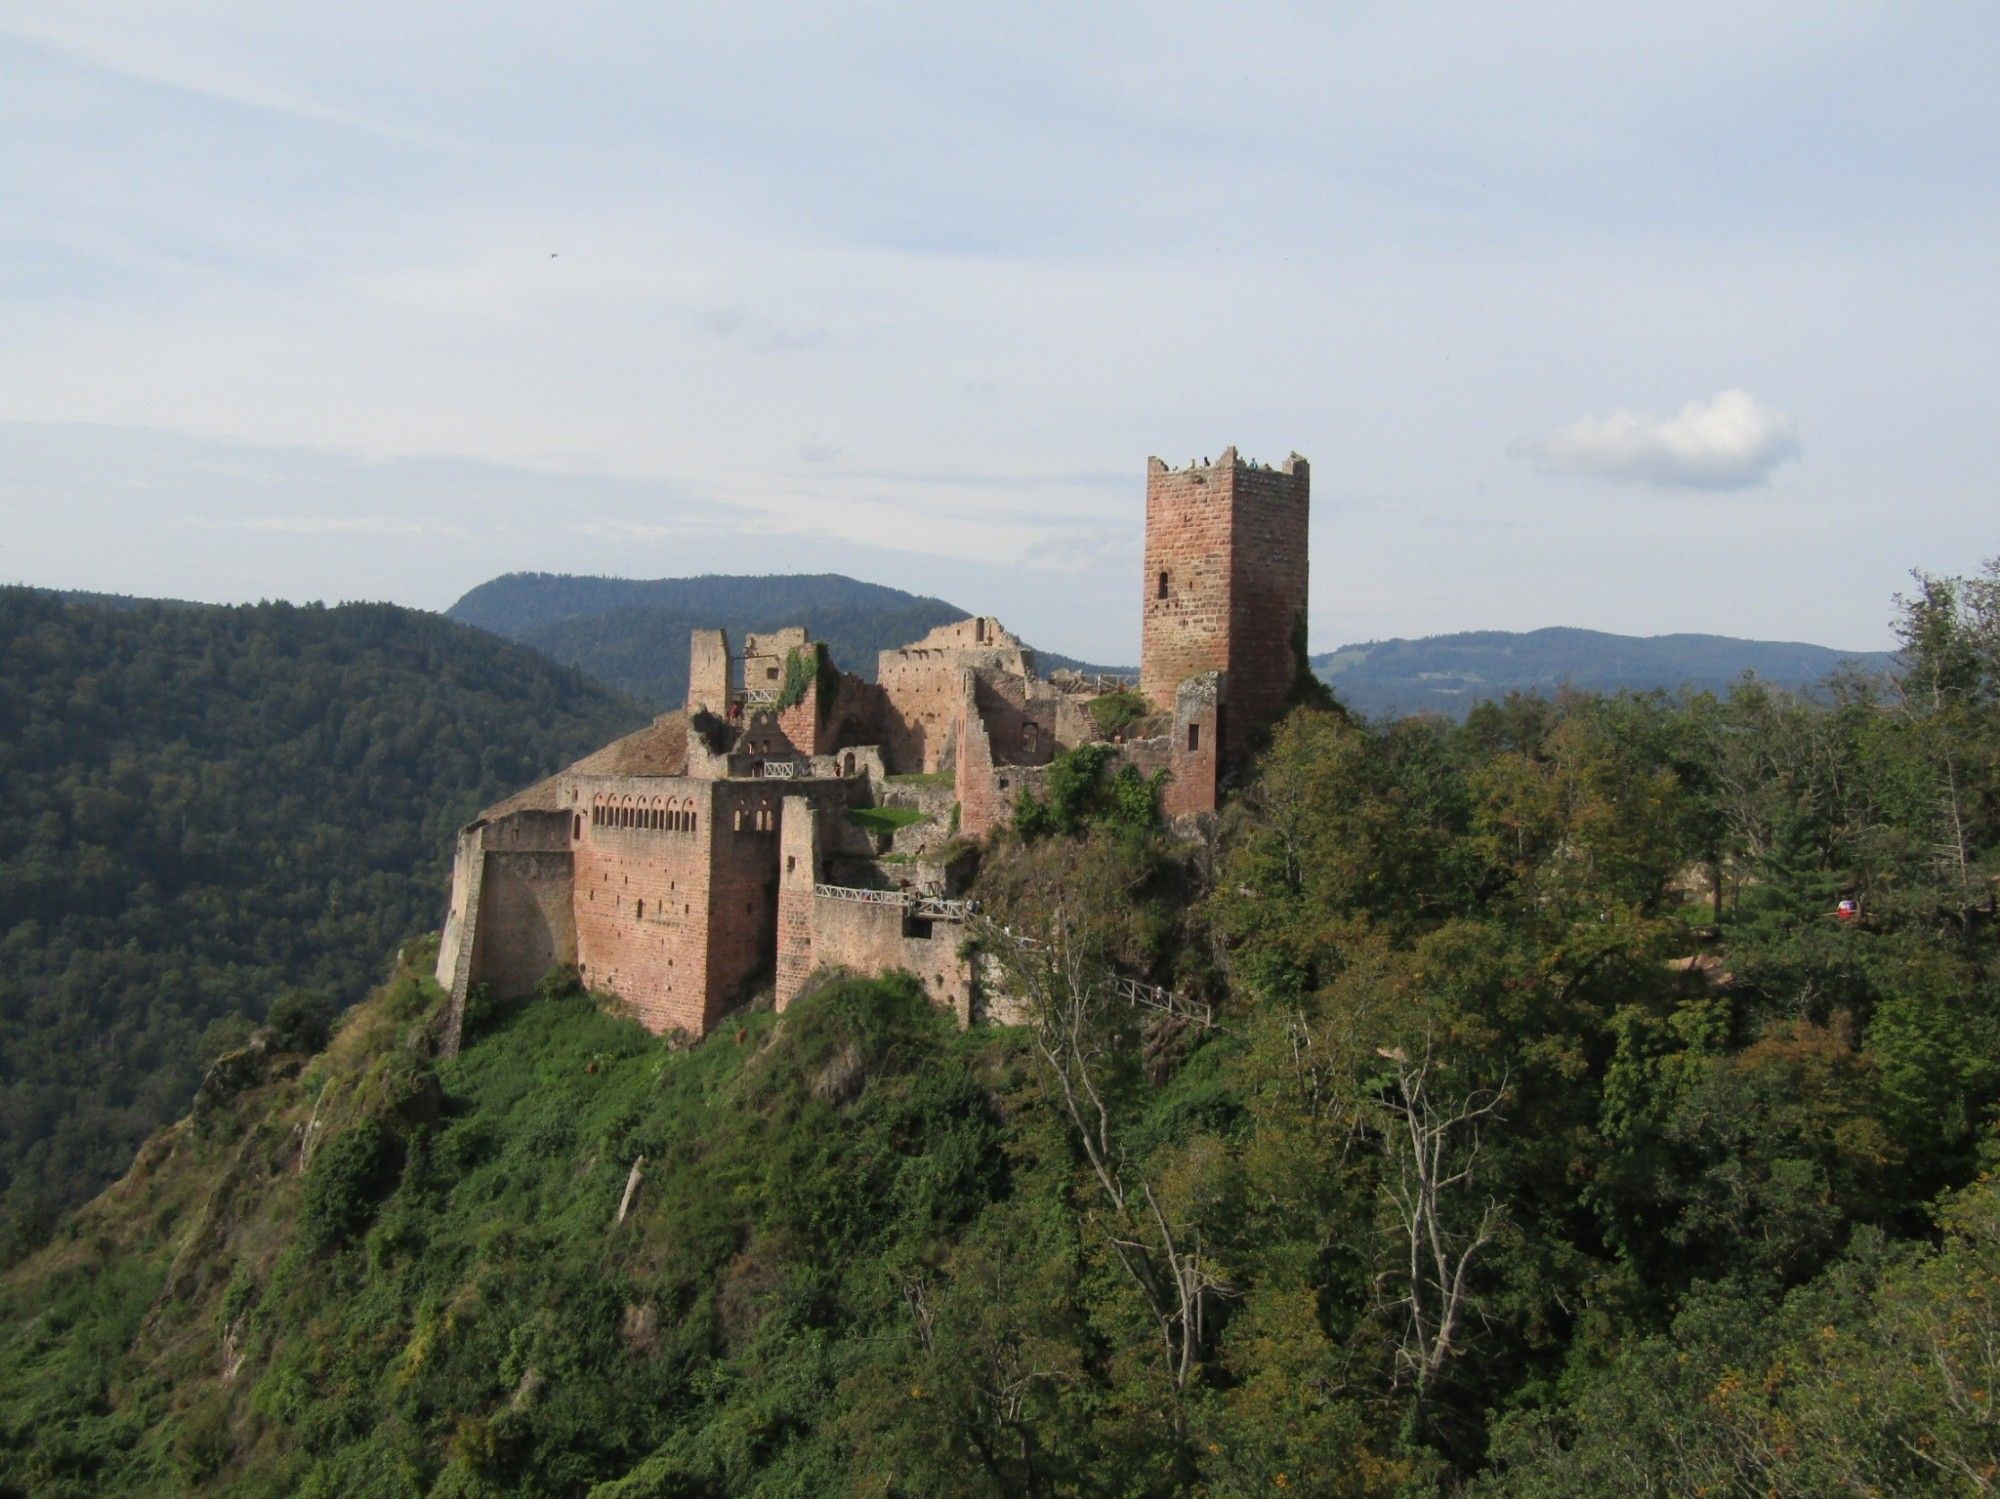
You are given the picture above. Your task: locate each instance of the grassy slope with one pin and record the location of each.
(485, 1326)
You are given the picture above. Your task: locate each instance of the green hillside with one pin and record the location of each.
(1558, 1134)
(633, 634)
(204, 806)
(1450, 673)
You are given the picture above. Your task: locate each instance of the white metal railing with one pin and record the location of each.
(780, 770)
(935, 907)
(1094, 684)
(757, 697)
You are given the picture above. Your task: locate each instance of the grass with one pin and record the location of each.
(884, 819)
(922, 778)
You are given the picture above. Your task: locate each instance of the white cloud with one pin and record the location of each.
(1725, 442)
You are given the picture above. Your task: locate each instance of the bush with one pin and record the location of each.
(300, 1021)
(349, 1176)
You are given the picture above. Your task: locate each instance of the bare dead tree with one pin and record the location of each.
(1068, 986)
(1431, 1139)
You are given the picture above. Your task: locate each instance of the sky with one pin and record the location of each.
(1644, 318)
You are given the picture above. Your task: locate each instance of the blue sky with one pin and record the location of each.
(1646, 318)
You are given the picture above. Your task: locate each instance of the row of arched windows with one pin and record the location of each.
(660, 816)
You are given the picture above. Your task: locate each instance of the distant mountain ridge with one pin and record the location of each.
(1450, 673)
(632, 633)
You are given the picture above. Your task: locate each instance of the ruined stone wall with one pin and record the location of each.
(1195, 746)
(1020, 722)
(1268, 594)
(642, 895)
(708, 674)
(878, 939)
(921, 688)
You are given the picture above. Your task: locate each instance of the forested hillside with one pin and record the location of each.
(633, 633)
(1599, 1101)
(1450, 674)
(201, 807)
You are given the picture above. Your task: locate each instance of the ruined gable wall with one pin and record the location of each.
(642, 898)
(461, 920)
(798, 870)
(1189, 539)
(921, 688)
(981, 806)
(1268, 593)
(1020, 722)
(708, 673)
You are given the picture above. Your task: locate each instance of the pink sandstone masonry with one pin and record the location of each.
(686, 866)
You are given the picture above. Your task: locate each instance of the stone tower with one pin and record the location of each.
(1225, 585)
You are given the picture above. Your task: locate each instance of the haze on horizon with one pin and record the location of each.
(1640, 319)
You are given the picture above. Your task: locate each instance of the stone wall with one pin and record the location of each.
(743, 891)
(643, 893)
(798, 869)
(877, 939)
(527, 920)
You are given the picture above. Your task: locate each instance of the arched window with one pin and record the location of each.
(1163, 585)
(691, 818)
(639, 910)
(847, 765)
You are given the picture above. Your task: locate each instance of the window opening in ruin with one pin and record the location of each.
(1028, 736)
(579, 826)
(639, 910)
(1163, 585)
(791, 863)
(979, 632)
(1194, 737)
(1003, 783)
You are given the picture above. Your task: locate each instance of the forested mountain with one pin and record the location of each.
(201, 807)
(1600, 1100)
(1450, 673)
(633, 633)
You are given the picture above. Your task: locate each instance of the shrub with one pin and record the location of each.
(348, 1178)
(300, 1021)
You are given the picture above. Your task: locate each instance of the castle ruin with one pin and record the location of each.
(793, 817)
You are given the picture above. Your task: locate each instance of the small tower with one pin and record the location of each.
(1225, 585)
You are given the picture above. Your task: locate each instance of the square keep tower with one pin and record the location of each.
(1225, 583)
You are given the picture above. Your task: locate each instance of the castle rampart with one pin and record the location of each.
(681, 866)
